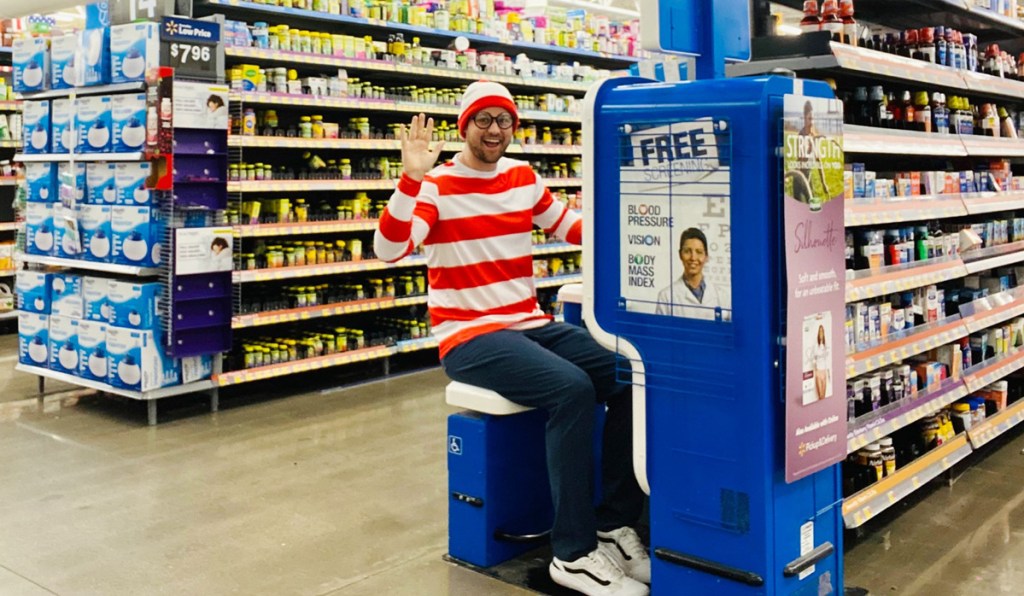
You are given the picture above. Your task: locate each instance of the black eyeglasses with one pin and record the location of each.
(483, 120)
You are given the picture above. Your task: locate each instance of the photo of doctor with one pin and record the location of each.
(692, 296)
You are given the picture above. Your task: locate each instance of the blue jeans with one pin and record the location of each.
(561, 369)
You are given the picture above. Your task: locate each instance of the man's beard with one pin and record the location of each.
(479, 153)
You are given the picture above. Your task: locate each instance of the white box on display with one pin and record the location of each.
(134, 49)
(64, 344)
(92, 351)
(34, 339)
(94, 124)
(31, 62)
(36, 127)
(137, 360)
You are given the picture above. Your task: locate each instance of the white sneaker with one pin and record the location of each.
(624, 548)
(595, 575)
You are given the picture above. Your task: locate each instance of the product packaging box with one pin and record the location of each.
(41, 182)
(67, 296)
(134, 305)
(130, 180)
(36, 127)
(94, 299)
(31, 61)
(94, 226)
(64, 345)
(929, 374)
(67, 241)
(62, 61)
(128, 112)
(71, 182)
(135, 234)
(92, 351)
(34, 339)
(39, 229)
(63, 126)
(99, 183)
(196, 368)
(93, 57)
(134, 49)
(137, 360)
(34, 291)
(94, 123)
(858, 180)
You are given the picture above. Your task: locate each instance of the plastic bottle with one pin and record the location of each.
(260, 34)
(830, 20)
(811, 21)
(941, 47)
(888, 453)
(926, 44)
(922, 112)
(940, 114)
(849, 23)
(1008, 130)
(249, 122)
(305, 127)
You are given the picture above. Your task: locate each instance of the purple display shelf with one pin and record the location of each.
(201, 314)
(200, 168)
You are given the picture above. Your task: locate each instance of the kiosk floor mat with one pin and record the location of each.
(528, 571)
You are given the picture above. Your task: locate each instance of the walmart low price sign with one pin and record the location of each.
(189, 46)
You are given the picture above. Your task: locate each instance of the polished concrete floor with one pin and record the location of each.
(342, 492)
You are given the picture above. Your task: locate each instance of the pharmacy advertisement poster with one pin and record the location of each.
(203, 250)
(675, 219)
(200, 105)
(812, 156)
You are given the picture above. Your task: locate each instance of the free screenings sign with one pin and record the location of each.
(675, 219)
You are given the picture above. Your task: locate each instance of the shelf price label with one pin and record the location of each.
(191, 47)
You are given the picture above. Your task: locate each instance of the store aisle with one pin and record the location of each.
(343, 493)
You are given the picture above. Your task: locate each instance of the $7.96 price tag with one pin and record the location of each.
(183, 53)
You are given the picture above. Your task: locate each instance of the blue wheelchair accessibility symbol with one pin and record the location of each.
(454, 445)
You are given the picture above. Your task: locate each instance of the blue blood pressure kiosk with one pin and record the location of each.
(665, 159)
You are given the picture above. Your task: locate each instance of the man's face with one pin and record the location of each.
(693, 256)
(488, 144)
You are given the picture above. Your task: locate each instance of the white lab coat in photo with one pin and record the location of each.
(678, 300)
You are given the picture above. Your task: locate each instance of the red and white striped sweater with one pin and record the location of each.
(476, 230)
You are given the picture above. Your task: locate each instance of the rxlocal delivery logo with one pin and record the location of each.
(177, 29)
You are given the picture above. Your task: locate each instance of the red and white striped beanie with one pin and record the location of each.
(485, 94)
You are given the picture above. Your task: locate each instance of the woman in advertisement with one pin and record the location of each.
(821, 364)
(692, 296)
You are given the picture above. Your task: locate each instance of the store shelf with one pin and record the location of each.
(893, 350)
(990, 258)
(429, 37)
(261, 55)
(991, 202)
(558, 280)
(104, 387)
(258, 275)
(382, 145)
(993, 369)
(866, 212)
(414, 345)
(860, 508)
(300, 366)
(83, 91)
(555, 248)
(10, 105)
(1006, 306)
(8, 180)
(891, 418)
(900, 278)
(42, 157)
(310, 185)
(9, 315)
(881, 141)
(10, 144)
(87, 265)
(979, 146)
(275, 317)
(305, 228)
(8, 226)
(378, 105)
(996, 425)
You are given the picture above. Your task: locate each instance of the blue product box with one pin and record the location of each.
(62, 62)
(94, 226)
(94, 299)
(135, 234)
(94, 124)
(138, 361)
(36, 127)
(39, 229)
(128, 112)
(71, 182)
(134, 49)
(33, 290)
(64, 345)
(31, 60)
(859, 181)
(130, 180)
(134, 305)
(41, 182)
(67, 296)
(34, 339)
(93, 57)
(63, 127)
(92, 351)
(99, 183)
(66, 240)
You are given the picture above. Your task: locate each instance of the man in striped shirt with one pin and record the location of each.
(474, 216)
